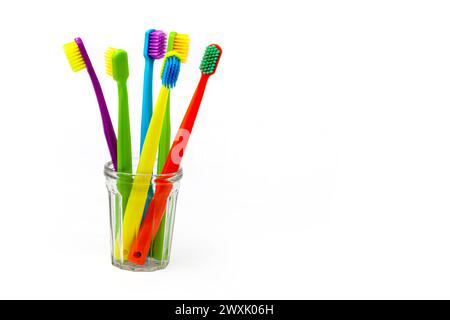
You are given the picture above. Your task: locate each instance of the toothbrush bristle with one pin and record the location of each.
(181, 46)
(74, 56)
(210, 59)
(157, 44)
(170, 69)
(108, 60)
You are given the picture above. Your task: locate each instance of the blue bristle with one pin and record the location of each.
(171, 71)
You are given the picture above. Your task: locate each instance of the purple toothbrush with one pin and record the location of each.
(78, 58)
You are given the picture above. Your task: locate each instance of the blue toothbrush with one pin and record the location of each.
(154, 48)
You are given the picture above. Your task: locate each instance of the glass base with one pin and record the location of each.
(150, 265)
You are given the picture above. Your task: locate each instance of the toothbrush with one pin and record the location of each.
(136, 202)
(154, 48)
(116, 62)
(155, 212)
(78, 58)
(180, 44)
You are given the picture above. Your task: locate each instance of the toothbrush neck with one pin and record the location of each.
(121, 82)
(123, 92)
(176, 152)
(195, 103)
(196, 99)
(85, 56)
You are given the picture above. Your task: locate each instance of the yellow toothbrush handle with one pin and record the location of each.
(139, 190)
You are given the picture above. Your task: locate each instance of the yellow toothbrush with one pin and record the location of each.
(139, 189)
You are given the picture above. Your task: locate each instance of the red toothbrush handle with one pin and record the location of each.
(150, 225)
(156, 209)
(176, 152)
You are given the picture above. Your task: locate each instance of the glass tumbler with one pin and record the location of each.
(130, 196)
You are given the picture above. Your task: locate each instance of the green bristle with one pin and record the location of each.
(210, 59)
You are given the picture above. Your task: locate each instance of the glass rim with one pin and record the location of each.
(109, 171)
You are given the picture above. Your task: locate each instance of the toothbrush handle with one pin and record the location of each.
(108, 128)
(163, 151)
(150, 225)
(156, 209)
(124, 158)
(147, 107)
(176, 152)
(164, 142)
(147, 99)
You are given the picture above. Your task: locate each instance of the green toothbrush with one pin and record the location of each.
(116, 62)
(180, 44)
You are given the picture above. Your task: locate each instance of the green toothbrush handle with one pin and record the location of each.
(164, 148)
(164, 142)
(124, 157)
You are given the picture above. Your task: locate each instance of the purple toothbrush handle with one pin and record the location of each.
(108, 128)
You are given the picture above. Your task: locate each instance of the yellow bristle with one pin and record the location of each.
(74, 57)
(181, 46)
(108, 60)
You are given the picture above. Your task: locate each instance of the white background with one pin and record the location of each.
(319, 166)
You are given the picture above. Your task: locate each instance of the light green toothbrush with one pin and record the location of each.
(180, 44)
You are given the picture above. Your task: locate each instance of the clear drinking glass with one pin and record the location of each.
(119, 187)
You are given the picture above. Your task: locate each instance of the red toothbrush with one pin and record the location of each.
(156, 209)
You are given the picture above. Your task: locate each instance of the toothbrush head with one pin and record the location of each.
(210, 59)
(170, 69)
(179, 43)
(108, 60)
(155, 44)
(74, 56)
(116, 63)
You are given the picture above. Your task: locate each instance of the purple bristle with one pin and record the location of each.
(157, 44)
